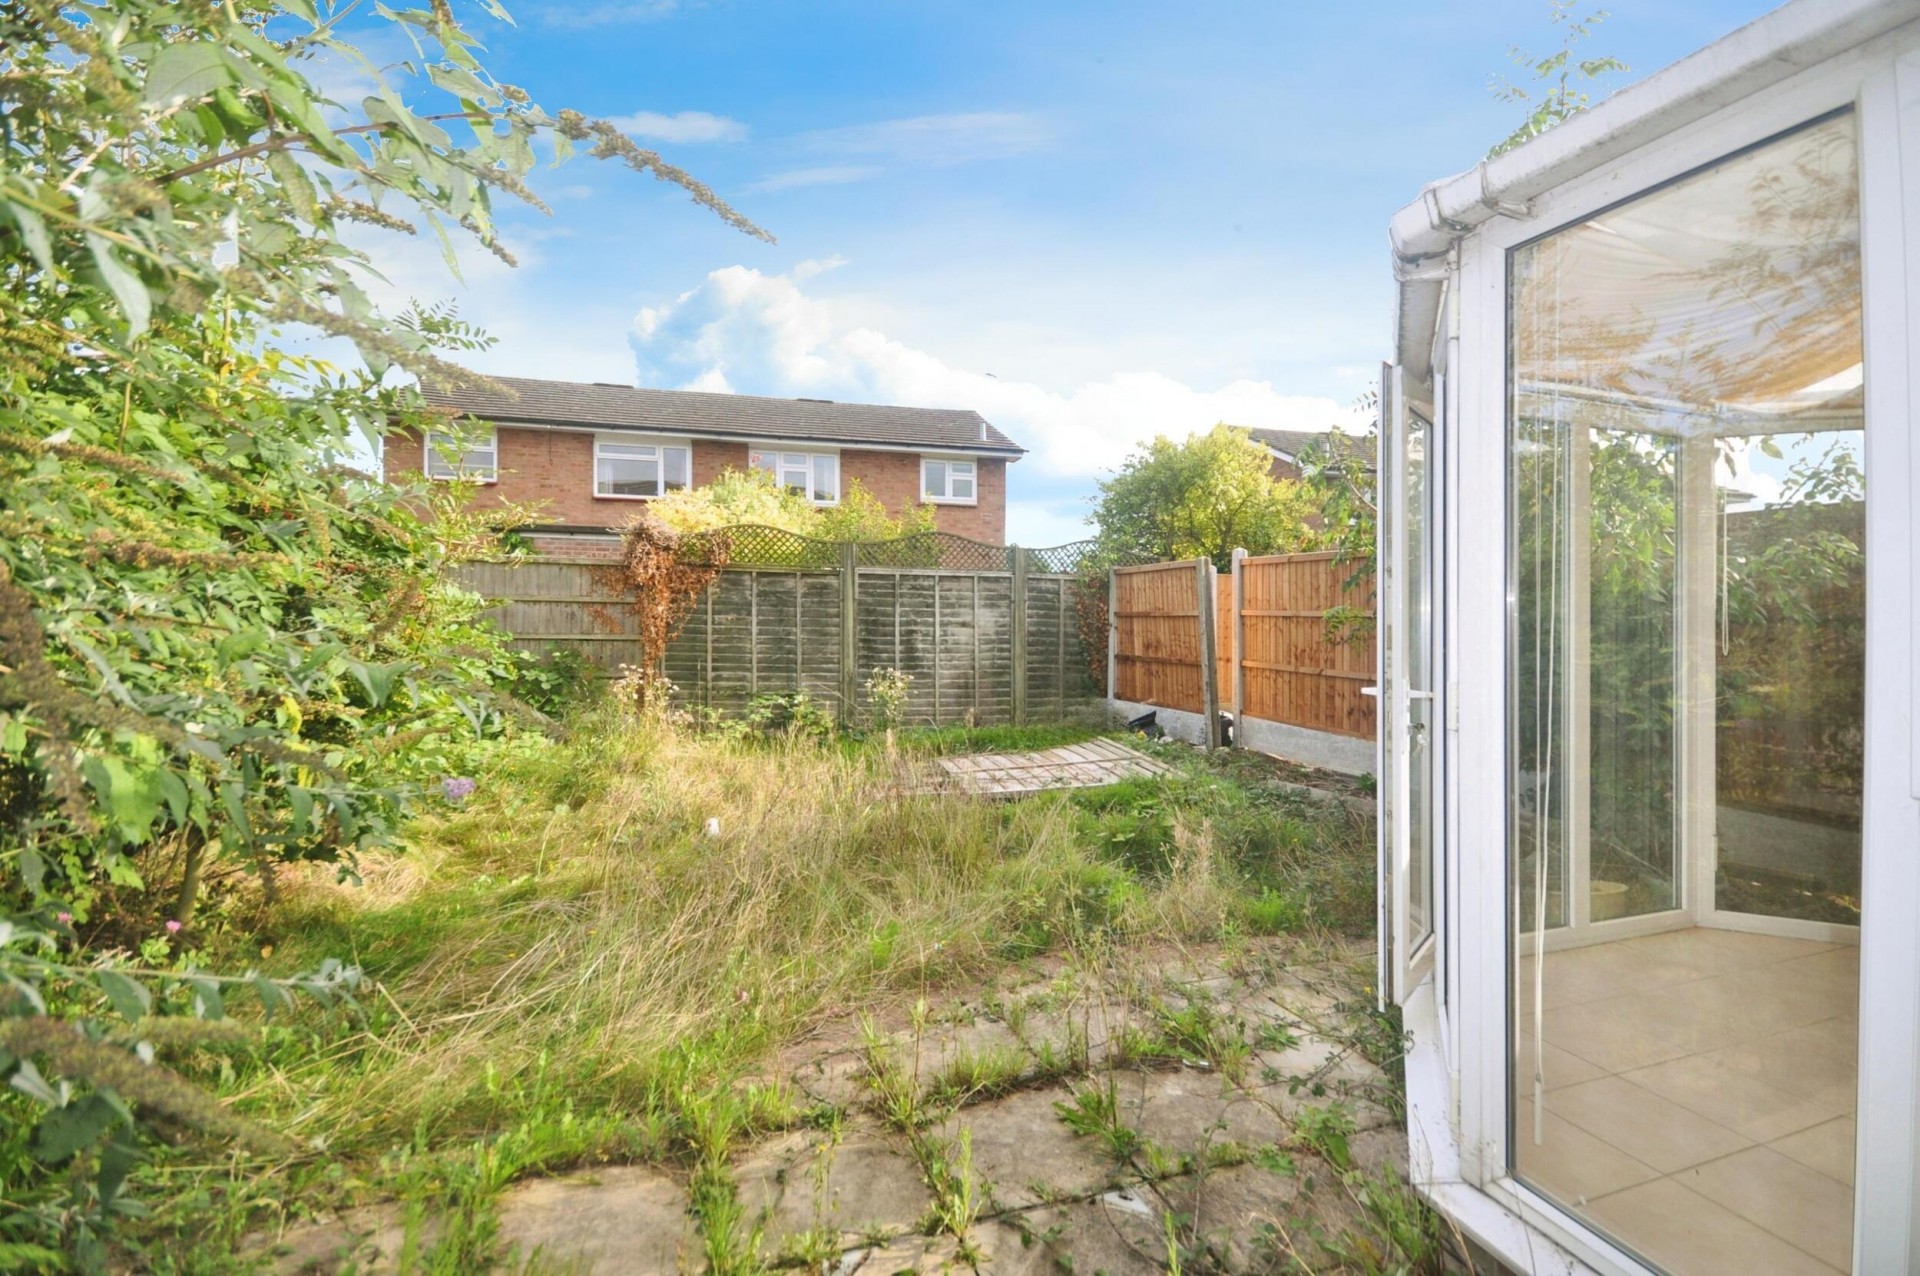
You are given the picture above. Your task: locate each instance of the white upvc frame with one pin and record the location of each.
(972, 465)
(435, 444)
(629, 446)
(1880, 81)
(809, 459)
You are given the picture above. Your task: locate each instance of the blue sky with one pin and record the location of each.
(1092, 222)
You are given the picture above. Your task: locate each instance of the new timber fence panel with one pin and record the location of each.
(822, 627)
(1156, 620)
(1292, 669)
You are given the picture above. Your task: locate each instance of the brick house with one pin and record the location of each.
(583, 454)
(1287, 446)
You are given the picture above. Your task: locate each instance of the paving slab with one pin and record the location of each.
(627, 1219)
(1074, 766)
(854, 1187)
(1024, 1155)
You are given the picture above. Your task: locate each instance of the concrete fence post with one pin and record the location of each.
(1018, 627)
(849, 631)
(1209, 666)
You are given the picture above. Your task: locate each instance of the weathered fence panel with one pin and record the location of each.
(1156, 616)
(1292, 669)
(989, 645)
(551, 604)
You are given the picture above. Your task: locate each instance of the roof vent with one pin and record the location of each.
(804, 399)
(983, 429)
(614, 385)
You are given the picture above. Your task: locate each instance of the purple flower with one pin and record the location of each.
(173, 927)
(458, 788)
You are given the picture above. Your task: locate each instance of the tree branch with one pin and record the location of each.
(292, 139)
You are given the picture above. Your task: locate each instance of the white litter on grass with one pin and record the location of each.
(713, 827)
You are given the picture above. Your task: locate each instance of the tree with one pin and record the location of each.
(752, 498)
(1555, 99)
(1203, 497)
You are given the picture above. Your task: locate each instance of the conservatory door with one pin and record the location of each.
(1686, 698)
(1409, 743)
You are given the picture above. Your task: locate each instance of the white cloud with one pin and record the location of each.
(940, 140)
(813, 266)
(761, 334)
(825, 175)
(683, 126)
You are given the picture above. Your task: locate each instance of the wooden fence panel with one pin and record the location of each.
(1224, 634)
(558, 605)
(1293, 670)
(774, 630)
(1157, 620)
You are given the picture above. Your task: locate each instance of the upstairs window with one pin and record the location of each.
(446, 460)
(948, 482)
(815, 475)
(638, 471)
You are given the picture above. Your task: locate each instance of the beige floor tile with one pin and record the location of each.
(1693, 1017)
(1740, 1101)
(1578, 975)
(1610, 1034)
(1762, 999)
(1559, 1067)
(1570, 1164)
(1827, 1147)
(1714, 952)
(1647, 1127)
(1814, 1059)
(1690, 1235)
(1801, 1206)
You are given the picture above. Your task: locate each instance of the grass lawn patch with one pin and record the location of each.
(596, 956)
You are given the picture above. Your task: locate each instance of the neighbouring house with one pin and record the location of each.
(584, 454)
(1287, 447)
(1649, 787)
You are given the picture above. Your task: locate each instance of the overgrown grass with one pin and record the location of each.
(573, 969)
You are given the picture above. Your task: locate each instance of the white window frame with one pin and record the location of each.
(435, 444)
(809, 458)
(1465, 1107)
(659, 449)
(948, 498)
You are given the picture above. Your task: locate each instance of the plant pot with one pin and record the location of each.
(1607, 901)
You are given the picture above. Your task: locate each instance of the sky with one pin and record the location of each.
(1092, 222)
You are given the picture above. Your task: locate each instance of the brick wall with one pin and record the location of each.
(553, 470)
(894, 477)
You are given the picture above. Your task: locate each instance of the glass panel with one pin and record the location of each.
(626, 475)
(768, 461)
(933, 481)
(1688, 656)
(678, 468)
(1417, 568)
(477, 463)
(1791, 674)
(826, 478)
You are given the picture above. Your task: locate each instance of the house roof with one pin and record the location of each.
(1291, 443)
(693, 412)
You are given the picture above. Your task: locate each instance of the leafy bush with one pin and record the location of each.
(227, 649)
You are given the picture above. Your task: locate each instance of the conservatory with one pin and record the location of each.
(1650, 888)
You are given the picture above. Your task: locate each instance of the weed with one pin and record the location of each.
(1326, 1131)
(971, 1075)
(1198, 1032)
(1094, 1112)
(1275, 1036)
